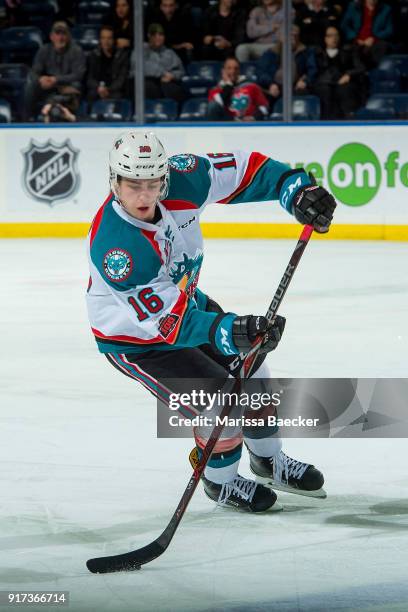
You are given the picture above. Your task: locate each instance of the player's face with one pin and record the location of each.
(139, 198)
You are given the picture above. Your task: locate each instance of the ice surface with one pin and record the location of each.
(82, 473)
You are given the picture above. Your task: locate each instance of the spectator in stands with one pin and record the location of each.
(263, 28)
(235, 97)
(339, 80)
(57, 112)
(304, 70)
(58, 68)
(313, 18)
(108, 68)
(163, 67)
(368, 25)
(223, 29)
(122, 22)
(178, 28)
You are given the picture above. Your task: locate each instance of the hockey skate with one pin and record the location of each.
(289, 475)
(242, 494)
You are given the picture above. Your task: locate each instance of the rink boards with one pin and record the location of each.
(52, 180)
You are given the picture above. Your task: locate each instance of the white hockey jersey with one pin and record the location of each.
(142, 292)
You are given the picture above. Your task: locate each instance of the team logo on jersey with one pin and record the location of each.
(239, 103)
(50, 172)
(145, 149)
(185, 162)
(185, 273)
(168, 324)
(117, 264)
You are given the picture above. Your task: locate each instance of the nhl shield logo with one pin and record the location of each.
(50, 172)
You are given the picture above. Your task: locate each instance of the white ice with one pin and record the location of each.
(82, 473)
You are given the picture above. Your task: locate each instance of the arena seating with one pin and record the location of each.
(20, 44)
(194, 109)
(304, 108)
(384, 90)
(5, 112)
(162, 109)
(111, 110)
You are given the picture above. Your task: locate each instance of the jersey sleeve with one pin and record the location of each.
(230, 178)
(238, 177)
(133, 304)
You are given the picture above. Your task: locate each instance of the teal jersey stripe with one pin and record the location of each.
(263, 186)
(220, 460)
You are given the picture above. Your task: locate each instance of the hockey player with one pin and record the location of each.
(152, 321)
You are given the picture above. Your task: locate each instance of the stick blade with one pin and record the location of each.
(126, 562)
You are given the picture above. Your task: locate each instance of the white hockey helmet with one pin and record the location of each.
(139, 155)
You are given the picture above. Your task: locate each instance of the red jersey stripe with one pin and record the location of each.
(124, 338)
(98, 219)
(179, 205)
(178, 309)
(150, 236)
(255, 163)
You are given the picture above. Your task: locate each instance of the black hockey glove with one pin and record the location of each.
(245, 330)
(314, 205)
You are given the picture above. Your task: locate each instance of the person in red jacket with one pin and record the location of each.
(236, 97)
(367, 25)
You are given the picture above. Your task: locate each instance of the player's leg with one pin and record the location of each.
(221, 480)
(267, 460)
(269, 463)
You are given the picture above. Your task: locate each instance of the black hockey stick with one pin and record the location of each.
(135, 559)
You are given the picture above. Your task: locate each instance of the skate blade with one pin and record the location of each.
(277, 507)
(277, 486)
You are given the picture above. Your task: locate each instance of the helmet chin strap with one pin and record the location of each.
(113, 185)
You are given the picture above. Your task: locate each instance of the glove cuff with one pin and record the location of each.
(221, 337)
(289, 185)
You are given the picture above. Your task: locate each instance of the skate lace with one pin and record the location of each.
(241, 487)
(285, 466)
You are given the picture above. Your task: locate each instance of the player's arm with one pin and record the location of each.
(237, 177)
(158, 312)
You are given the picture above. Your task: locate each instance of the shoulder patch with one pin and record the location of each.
(117, 265)
(185, 162)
